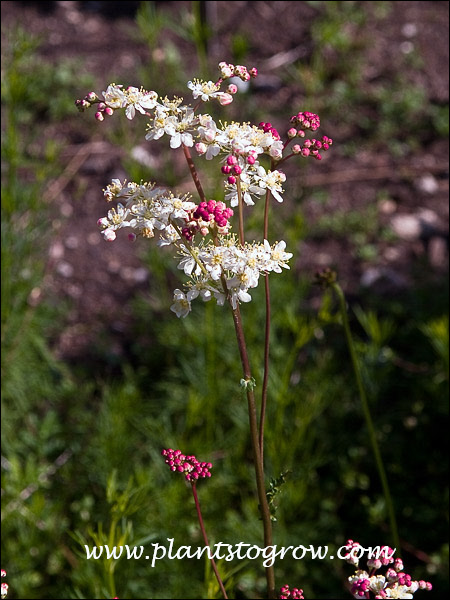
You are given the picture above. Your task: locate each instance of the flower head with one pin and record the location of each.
(369, 584)
(285, 592)
(192, 468)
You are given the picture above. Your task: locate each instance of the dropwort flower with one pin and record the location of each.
(393, 584)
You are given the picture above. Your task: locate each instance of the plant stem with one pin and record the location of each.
(266, 340)
(194, 173)
(257, 455)
(241, 210)
(259, 470)
(370, 426)
(205, 537)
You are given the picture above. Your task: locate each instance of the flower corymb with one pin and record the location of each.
(219, 264)
(395, 583)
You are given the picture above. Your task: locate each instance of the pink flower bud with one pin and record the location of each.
(232, 88)
(231, 160)
(226, 70)
(82, 105)
(226, 170)
(224, 98)
(209, 135)
(109, 111)
(132, 237)
(292, 132)
(253, 72)
(237, 170)
(101, 106)
(201, 148)
(99, 116)
(318, 156)
(306, 151)
(251, 160)
(109, 235)
(296, 149)
(91, 97)
(231, 179)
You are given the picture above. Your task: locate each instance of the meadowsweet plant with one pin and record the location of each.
(209, 240)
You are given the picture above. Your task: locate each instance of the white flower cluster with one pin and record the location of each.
(221, 268)
(131, 99)
(206, 90)
(385, 587)
(183, 126)
(254, 181)
(224, 269)
(146, 208)
(240, 139)
(228, 270)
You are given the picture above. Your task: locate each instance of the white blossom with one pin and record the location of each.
(181, 305)
(115, 96)
(139, 100)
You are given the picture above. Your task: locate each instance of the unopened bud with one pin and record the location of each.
(200, 148)
(224, 99)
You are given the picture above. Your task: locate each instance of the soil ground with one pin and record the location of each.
(99, 278)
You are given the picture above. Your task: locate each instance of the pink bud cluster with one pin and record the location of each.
(91, 99)
(87, 101)
(311, 147)
(232, 168)
(285, 592)
(360, 588)
(189, 465)
(214, 211)
(268, 128)
(228, 70)
(386, 558)
(207, 214)
(306, 120)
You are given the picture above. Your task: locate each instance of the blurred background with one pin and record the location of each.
(98, 375)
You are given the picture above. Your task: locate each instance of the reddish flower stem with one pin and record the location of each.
(253, 421)
(259, 470)
(194, 173)
(241, 210)
(205, 538)
(266, 337)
